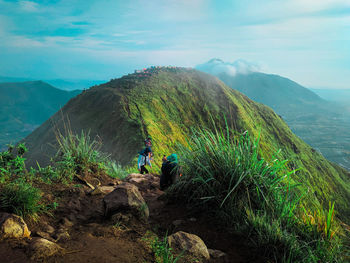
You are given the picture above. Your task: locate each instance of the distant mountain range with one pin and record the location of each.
(26, 105)
(323, 124)
(64, 84)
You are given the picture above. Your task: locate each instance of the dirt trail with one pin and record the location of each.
(93, 239)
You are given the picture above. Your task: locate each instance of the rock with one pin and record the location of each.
(48, 229)
(62, 235)
(216, 253)
(44, 235)
(178, 222)
(126, 197)
(121, 218)
(12, 226)
(137, 178)
(192, 219)
(40, 248)
(191, 244)
(66, 223)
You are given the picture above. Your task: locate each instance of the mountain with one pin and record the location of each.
(63, 84)
(73, 84)
(165, 104)
(323, 124)
(26, 105)
(13, 79)
(338, 95)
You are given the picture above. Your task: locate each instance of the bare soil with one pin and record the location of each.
(93, 238)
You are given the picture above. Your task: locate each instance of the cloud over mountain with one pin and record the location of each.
(216, 66)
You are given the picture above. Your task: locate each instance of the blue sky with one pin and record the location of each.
(305, 40)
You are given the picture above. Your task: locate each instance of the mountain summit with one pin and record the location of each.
(166, 103)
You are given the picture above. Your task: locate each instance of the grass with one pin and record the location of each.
(163, 253)
(81, 153)
(21, 198)
(225, 174)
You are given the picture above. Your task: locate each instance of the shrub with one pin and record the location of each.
(12, 163)
(20, 198)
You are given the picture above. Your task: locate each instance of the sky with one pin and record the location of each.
(305, 40)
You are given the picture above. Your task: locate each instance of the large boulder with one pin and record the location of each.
(126, 197)
(191, 244)
(12, 226)
(40, 248)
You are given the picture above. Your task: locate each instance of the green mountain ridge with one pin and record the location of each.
(165, 103)
(325, 125)
(26, 105)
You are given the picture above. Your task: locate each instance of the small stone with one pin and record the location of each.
(48, 229)
(121, 218)
(40, 248)
(12, 226)
(191, 244)
(178, 222)
(66, 223)
(192, 219)
(62, 236)
(216, 253)
(44, 235)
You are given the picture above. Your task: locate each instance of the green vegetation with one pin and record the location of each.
(80, 154)
(21, 198)
(225, 175)
(20, 190)
(162, 252)
(10, 163)
(323, 124)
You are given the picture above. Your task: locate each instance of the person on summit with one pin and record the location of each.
(171, 171)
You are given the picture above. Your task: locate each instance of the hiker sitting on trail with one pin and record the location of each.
(144, 158)
(171, 171)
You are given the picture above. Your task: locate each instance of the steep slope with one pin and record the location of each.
(165, 104)
(26, 105)
(323, 124)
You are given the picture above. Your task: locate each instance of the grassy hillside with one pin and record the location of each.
(165, 104)
(322, 124)
(26, 105)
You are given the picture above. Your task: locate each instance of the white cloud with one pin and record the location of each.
(315, 5)
(29, 6)
(217, 66)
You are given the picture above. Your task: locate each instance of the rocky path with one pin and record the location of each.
(84, 232)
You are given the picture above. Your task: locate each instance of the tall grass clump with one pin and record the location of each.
(78, 154)
(225, 174)
(21, 198)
